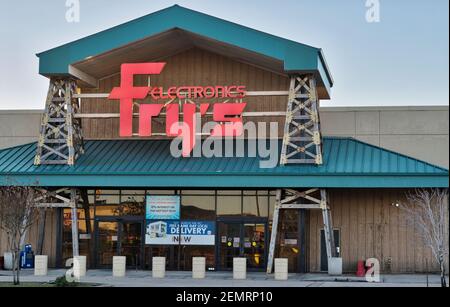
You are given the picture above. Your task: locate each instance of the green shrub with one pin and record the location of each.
(62, 282)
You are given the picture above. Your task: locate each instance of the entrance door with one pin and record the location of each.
(119, 237)
(242, 239)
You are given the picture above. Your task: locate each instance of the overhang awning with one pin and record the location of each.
(174, 29)
(348, 163)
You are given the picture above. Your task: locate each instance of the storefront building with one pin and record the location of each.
(105, 155)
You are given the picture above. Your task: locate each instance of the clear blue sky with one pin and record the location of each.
(402, 60)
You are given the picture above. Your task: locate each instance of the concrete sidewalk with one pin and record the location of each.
(225, 279)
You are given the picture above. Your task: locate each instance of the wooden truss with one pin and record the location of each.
(60, 198)
(302, 199)
(302, 141)
(60, 140)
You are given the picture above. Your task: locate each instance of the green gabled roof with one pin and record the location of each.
(148, 163)
(295, 56)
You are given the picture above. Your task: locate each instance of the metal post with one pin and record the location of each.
(273, 236)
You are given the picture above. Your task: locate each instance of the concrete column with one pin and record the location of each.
(159, 267)
(281, 269)
(119, 266)
(79, 266)
(198, 267)
(335, 266)
(239, 268)
(40, 265)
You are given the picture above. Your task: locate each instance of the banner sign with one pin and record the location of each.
(228, 116)
(163, 207)
(180, 232)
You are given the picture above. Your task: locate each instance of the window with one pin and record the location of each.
(202, 208)
(229, 205)
(256, 205)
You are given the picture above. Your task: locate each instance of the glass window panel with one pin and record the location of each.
(188, 252)
(132, 192)
(107, 199)
(107, 211)
(67, 213)
(225, 192)
(272, 200)
(161, 192)
(197, 192)
(198, 208)
(229, 205)
(131, 206)
(255, 206)
(107, 192)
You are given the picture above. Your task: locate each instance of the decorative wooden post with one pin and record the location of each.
(311, 199)
(61, 139)
(328, 227)
(74, 210)
(61, 198)
(302, 141)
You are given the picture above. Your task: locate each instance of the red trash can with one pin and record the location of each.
(361, 269)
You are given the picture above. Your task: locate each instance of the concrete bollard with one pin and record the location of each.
(40, 265)
(119, 266)
(335, 267)
(159, 267)
(8, 261)
(281, 269)
(79, 266)
(198, 267)
(239, 268)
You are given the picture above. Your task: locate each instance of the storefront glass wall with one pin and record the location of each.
(118, 227)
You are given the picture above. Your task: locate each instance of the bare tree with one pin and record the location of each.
(17, 215)
(427, 211)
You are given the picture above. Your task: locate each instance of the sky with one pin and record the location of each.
(401, 59)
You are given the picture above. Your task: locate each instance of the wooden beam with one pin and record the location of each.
(79, 74)
(249, 94)
(41, 231)
(273, 236)
(300, 206)
(75, 245)
(117, 115)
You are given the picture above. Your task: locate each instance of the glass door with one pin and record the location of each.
(230, 244)
(118, 237)
(131, 243)
(241, 239)
(255, 245)
(107, 242)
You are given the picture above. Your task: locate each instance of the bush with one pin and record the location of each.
(62, 282)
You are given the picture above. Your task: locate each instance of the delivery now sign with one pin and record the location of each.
(180, 232)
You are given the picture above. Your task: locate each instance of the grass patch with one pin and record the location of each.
(43, 285)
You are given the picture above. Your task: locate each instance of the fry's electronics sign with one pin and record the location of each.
(227, 115)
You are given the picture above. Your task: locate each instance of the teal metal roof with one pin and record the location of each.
(295, 56)
(148, 163)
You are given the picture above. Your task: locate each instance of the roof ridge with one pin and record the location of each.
(176, 6)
